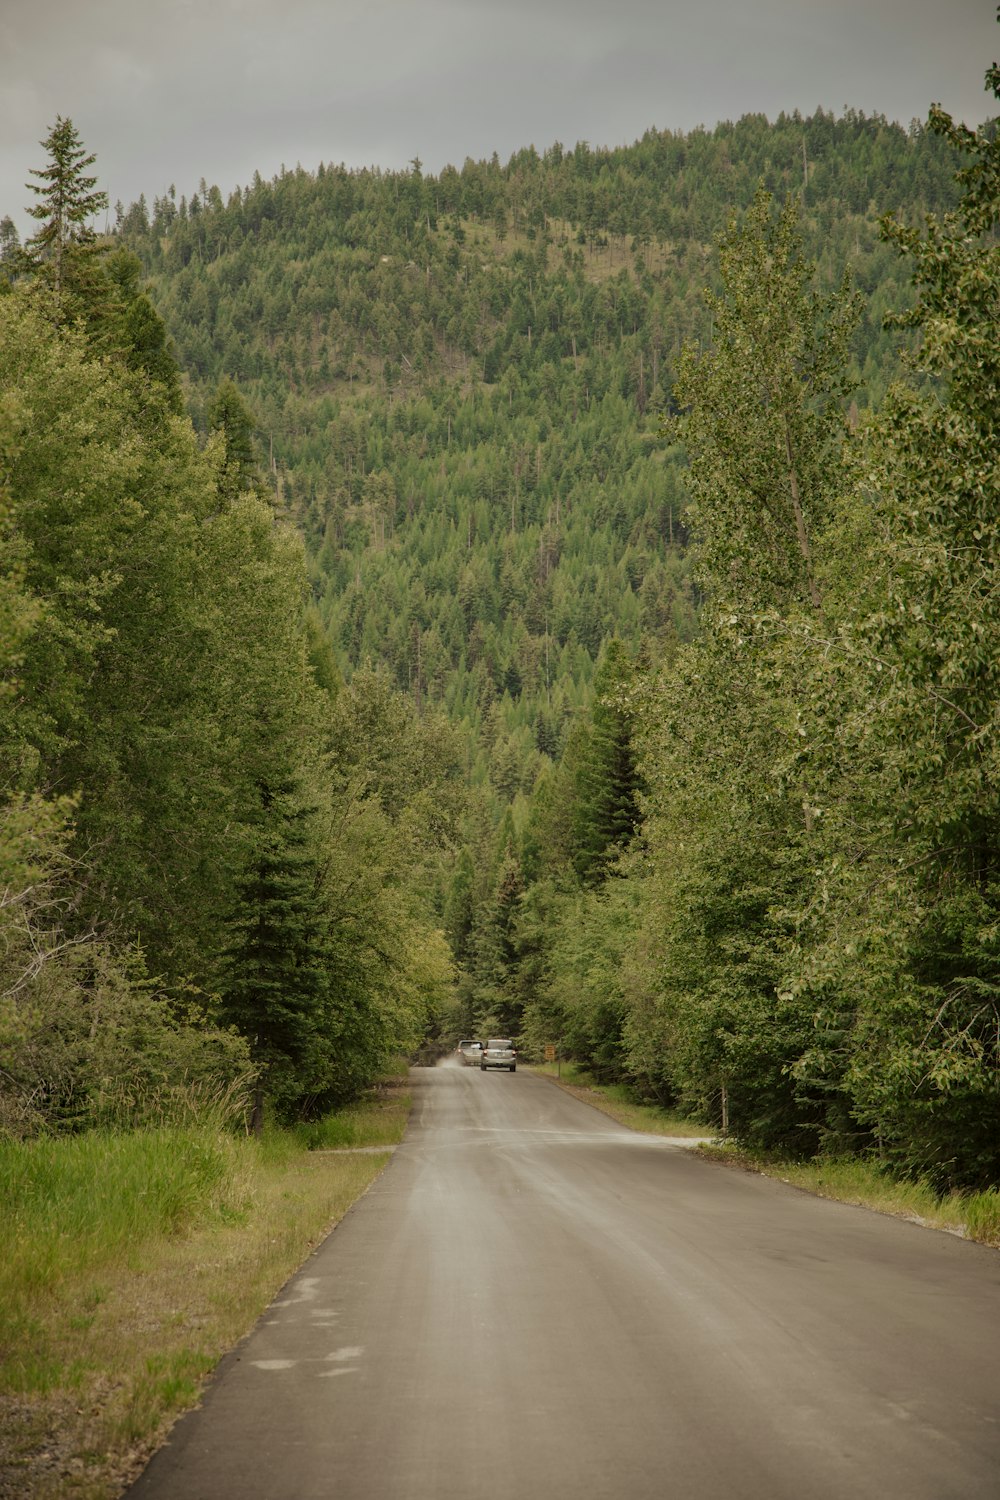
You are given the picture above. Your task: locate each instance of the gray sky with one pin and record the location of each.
(169, 91)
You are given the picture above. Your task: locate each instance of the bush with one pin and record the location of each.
(88, 1044)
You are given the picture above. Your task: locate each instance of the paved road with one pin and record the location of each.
(533, 1302)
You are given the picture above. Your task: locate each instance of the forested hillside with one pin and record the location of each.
(460, 382)
(579, 568)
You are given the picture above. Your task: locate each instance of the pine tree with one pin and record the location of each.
(10, 251)
(66, 201)
(606, 813)
(229, 414)
(130, 327)
(275, 981)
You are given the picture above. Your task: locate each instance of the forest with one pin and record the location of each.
(554, 597)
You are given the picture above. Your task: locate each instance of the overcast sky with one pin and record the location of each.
(169, 91)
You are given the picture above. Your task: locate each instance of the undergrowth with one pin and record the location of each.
(132, 1261)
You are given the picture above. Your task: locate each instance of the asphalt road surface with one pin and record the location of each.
(534, 1302)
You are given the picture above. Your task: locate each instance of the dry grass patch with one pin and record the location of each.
(604, 255)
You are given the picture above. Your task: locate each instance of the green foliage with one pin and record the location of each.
(275, 973)
(930, 1083)
(171, 798)
(89, 1042)
(767, 415)
(577, 1000)
(731, 814)
(462, 379)
(134, 333)
(821, 822)
(726, 832)
(228, 414)
(605, 779)
(379, 1120)
(63, 247)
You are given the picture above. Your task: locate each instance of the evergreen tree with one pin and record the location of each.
(275, 977)
(606, 805)
(67, 200)
(229, 415)
(11, 260)
(135, 333)
(495, 956)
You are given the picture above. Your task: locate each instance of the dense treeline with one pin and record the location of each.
(803, 939)
(204, 885)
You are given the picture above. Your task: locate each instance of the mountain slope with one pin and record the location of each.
(459, 383)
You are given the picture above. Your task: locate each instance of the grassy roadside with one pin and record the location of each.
(132, 1263)
(975, 1216)
(613, 1100)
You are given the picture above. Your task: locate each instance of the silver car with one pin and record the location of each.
(470, 1053)
(499, 1053)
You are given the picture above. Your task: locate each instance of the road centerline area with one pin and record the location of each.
(564, 1311)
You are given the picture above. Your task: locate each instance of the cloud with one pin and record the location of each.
(172, 90)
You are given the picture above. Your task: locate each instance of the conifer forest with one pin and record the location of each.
(555, 598)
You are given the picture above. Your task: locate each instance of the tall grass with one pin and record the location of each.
(130, 1261)
(982, 1217)
(377, 1121)
(69, 1202)
(79, 1207)
(66, 1200)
